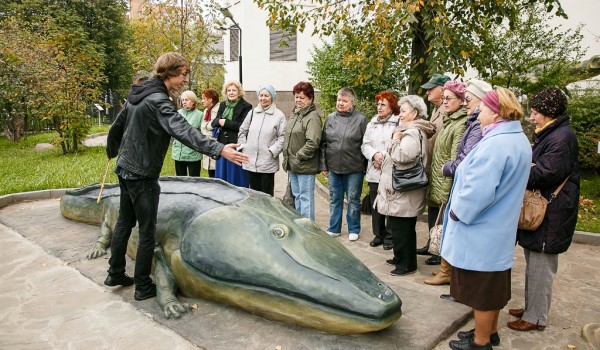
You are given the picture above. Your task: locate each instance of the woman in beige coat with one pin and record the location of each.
(409, 146)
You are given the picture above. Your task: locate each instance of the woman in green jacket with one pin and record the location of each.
(187, 161)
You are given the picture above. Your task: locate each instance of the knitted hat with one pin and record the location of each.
(478, 87)
(270, 89)
(456, 87)
(492, 101)
(436, 80)
(551, 102)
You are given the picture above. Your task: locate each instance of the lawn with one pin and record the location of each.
(24, 170)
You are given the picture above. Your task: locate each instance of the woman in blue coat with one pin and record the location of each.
(555, 153)
(480, 222)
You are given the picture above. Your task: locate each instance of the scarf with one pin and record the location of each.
(540, 129)
(228, 112)
(492, 126)
(348, 113)
(207, 113)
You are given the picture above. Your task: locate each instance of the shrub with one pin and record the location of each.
(584, 109)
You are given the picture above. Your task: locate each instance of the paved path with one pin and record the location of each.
(52, 297)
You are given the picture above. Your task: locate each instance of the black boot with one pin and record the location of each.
(468, 344)
(494, 337)
(434, 260)
(424, 250)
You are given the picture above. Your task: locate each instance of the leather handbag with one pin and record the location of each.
(435, 234)
(534, 208)
(413, 177)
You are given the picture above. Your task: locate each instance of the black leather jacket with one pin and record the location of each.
(142, 131)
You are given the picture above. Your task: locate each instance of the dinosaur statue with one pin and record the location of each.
(249, 250)
(585, 69)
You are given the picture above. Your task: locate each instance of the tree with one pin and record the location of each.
(530, 55)
(51, 68)
(170, 25)
(427, 35)
(329, 74)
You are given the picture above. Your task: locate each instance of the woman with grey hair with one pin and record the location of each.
(187, 161)
(408, 147)
(261, 137)
(342, 162)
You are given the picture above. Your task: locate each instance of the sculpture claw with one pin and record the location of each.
(175, 309)
(96, 253)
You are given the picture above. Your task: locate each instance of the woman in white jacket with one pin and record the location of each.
(375, 142)
(261, 137)
(210, 99)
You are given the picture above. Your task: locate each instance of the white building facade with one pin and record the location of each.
(264, 59)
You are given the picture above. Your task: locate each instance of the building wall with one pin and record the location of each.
(257, 68)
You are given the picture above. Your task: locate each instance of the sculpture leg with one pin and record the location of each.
(166, 286)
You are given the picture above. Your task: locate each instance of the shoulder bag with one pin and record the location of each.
(413, 177)
(534, 208)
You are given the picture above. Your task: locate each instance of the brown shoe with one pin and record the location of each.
(516, 312)
(524, 326)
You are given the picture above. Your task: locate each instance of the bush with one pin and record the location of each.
(584, 109)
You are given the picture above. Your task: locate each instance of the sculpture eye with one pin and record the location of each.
(279, 231)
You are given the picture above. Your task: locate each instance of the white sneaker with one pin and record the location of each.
(353, 236)
(333, 234)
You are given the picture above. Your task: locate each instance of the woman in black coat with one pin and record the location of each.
(555, 153)
(226, 125)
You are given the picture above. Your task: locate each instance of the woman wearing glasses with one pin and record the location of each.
(445, 149)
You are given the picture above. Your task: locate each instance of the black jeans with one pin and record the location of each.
(139, 203)
(377, 220)
(182, 168)
(263, 182)
(404, 235)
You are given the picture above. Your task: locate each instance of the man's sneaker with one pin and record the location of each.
(122, 280)
(147, 294)
(353, 236)
(333, 234)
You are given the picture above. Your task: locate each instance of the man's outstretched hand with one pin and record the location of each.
(228, 152)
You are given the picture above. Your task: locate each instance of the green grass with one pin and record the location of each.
(23, 170)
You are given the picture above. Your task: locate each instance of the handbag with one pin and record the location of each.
(288, 197)
(534, 208)
(413, 177)
(435, 234)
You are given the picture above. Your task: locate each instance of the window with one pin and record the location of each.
(234, 44)
(283, 46)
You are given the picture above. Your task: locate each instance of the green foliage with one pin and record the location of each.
(529, 54)
(426, 36)
(584, 109)
(329, 74)
(51, 70)
(171, 25)
(589, 203)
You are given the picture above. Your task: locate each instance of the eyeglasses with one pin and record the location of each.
(468, 100)
(445, 98)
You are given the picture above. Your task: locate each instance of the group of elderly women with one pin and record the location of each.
(479, 163)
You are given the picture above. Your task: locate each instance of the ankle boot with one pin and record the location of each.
(443, 277)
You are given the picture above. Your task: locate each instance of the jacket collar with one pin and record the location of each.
(270, 110)
(510, 127)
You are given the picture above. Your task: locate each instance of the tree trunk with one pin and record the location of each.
(418, 75)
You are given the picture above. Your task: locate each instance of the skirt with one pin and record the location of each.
(234, 174)
(484, 291)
